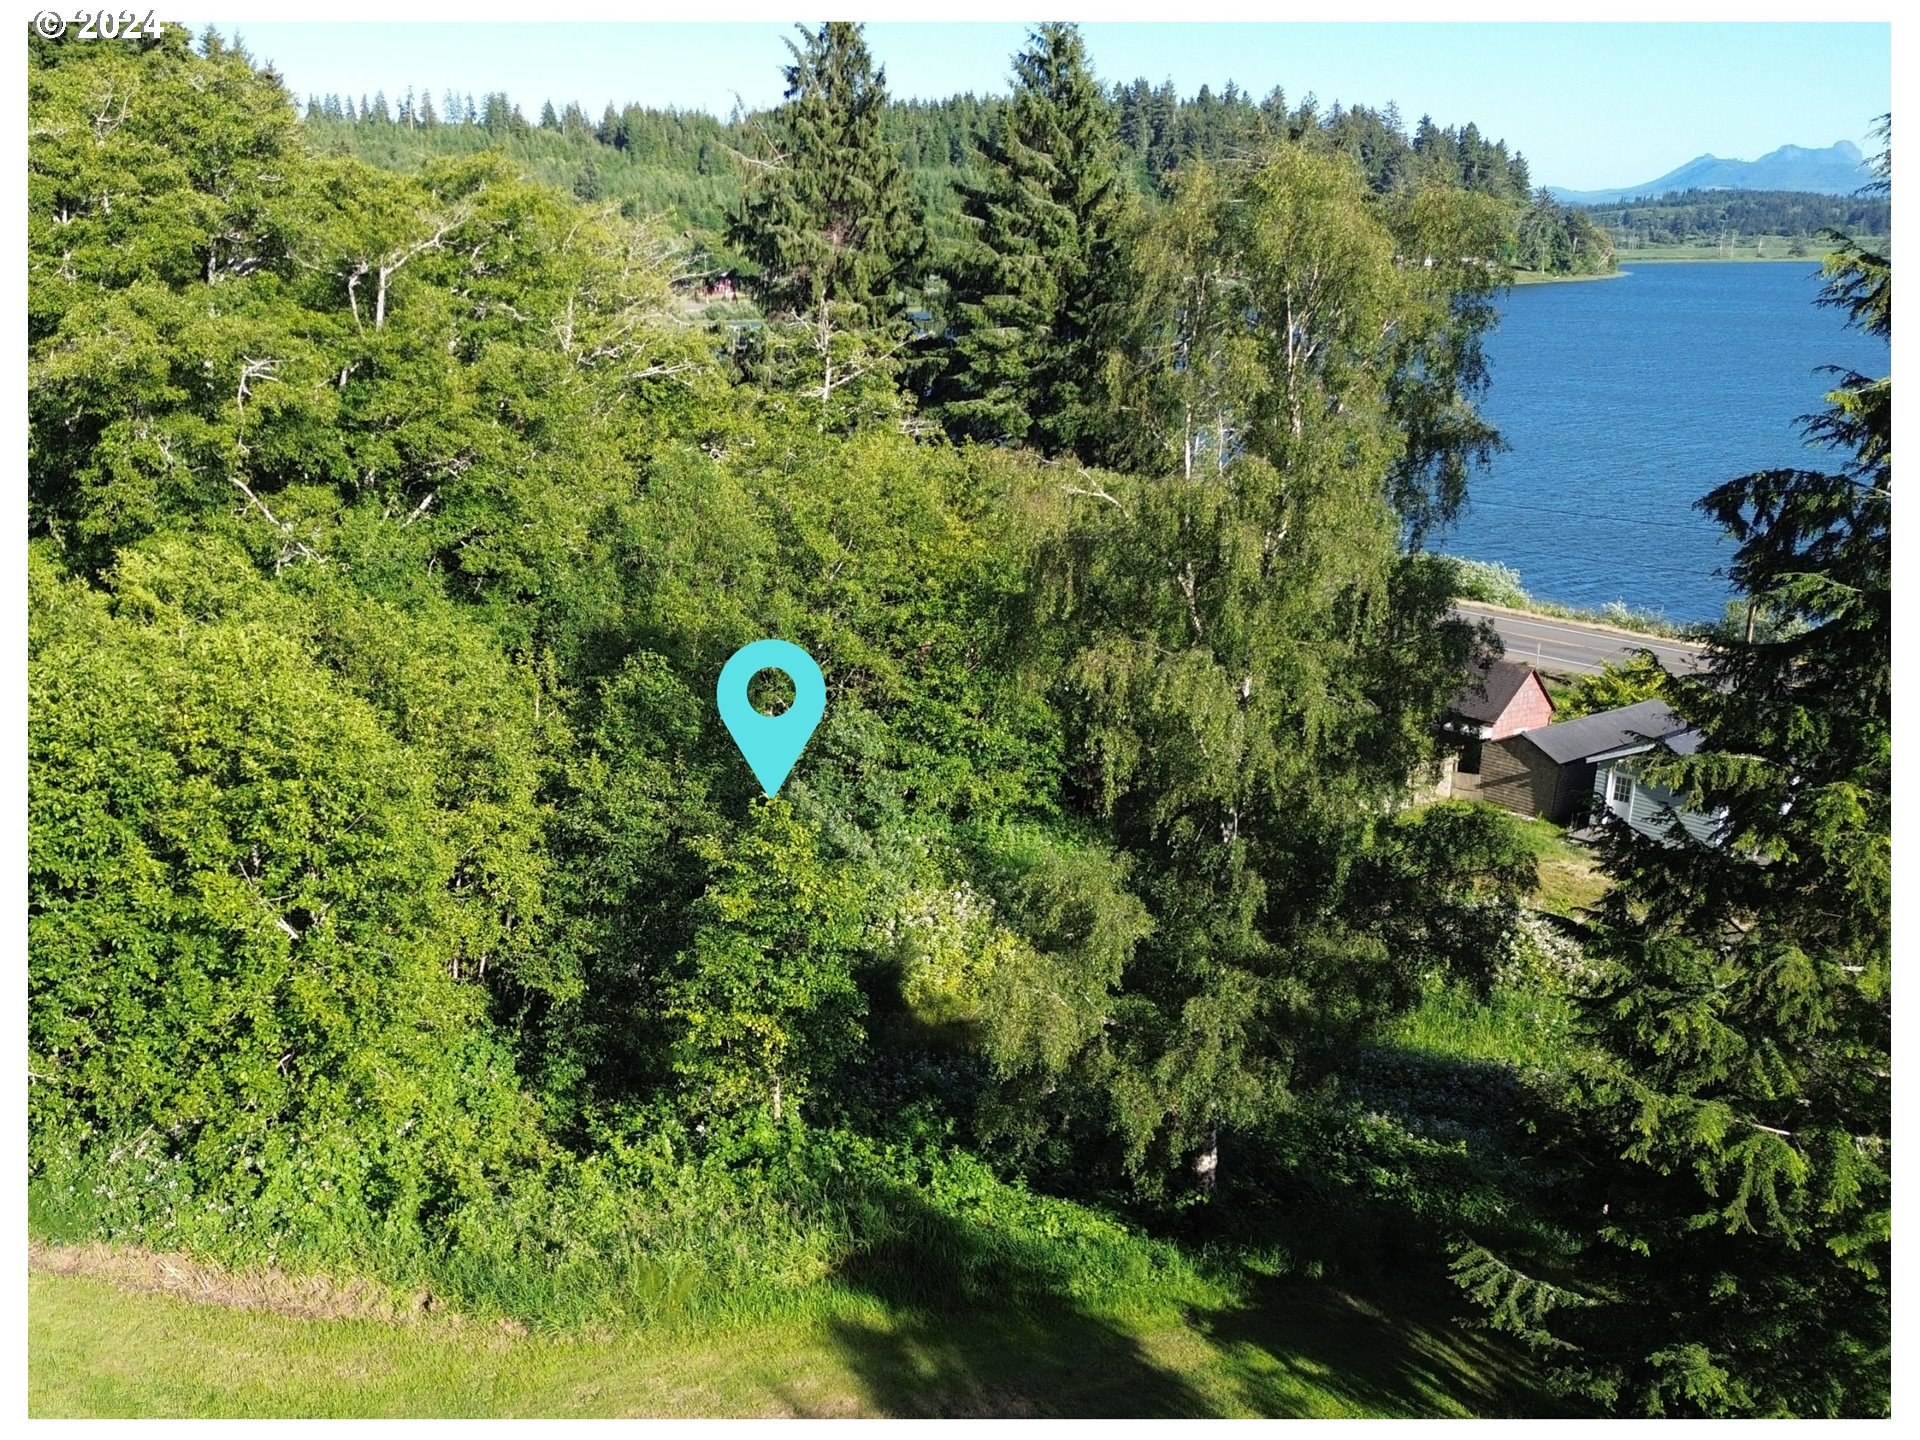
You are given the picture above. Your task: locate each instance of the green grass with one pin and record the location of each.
(1285, 1348)
(1531, 1029)
(1571, 879)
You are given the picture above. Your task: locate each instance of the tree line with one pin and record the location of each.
(1709, 216)
(630, 151)
(398, 903)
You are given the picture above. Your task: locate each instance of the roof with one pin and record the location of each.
(1615, 732)
(1503, 680)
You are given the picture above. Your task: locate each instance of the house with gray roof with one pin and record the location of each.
(1621, 792)
(1562, 772)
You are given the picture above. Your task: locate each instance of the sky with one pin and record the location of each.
(1592, 106)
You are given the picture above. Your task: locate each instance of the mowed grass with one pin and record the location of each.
(1289, 1348)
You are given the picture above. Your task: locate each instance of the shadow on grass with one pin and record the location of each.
(1304, 1347)
(984, 1323)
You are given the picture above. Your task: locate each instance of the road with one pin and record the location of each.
(1567, 647)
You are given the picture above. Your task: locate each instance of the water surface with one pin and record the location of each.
(1626, 400)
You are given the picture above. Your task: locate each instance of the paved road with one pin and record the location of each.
(1566, 647)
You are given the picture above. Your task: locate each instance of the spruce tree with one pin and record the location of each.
(1040, 261)
(828, 220)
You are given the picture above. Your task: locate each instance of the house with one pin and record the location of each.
(1620, 791)
(1501, 700)
(1561, 768)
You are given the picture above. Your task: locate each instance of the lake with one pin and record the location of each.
(1623, 402)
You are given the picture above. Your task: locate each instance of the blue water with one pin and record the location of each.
(1626, 400)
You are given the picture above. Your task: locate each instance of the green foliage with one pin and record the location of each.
(1619, 683)
(1440, 885)
(256, 890)
(1026, 290)
(1560, 239)
(397, 900)
(1713, 216)
(1237, 659)
(765, 998)
(827, 219)
(1490, 582)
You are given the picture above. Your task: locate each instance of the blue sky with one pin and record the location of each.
(1591, 105)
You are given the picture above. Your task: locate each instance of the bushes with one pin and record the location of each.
(660, 1223)
(1489, 582)
(251, 903)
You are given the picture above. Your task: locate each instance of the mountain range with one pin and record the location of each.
(1839, 169)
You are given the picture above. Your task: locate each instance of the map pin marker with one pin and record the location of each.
(771, 743)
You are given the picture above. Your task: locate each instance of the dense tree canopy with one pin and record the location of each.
(397, 901)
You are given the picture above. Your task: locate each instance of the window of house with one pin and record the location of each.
(1620, 787)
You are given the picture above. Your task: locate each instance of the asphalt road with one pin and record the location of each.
(1566, 647)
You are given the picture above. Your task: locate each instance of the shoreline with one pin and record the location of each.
(1720, 259)
(1542, 277)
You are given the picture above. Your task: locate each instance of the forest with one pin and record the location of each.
(1715, 216)
(399, 907)
(686, 165)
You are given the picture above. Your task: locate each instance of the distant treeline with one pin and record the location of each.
(682, 162)
(1714, 216)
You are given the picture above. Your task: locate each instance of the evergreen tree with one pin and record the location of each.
(1041, 259)
(548, 119)
(829, 221)
(586, 185)
(827, 218)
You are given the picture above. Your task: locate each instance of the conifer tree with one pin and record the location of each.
(829, 221)
(1028, 287)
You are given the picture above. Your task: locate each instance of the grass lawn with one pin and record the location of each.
(1292, 1348)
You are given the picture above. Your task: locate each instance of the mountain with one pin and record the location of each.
(1838, 170)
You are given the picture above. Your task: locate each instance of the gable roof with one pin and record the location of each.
(1503, 678)
(1615, 732)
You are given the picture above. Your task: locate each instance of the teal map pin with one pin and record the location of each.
(771, 743)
